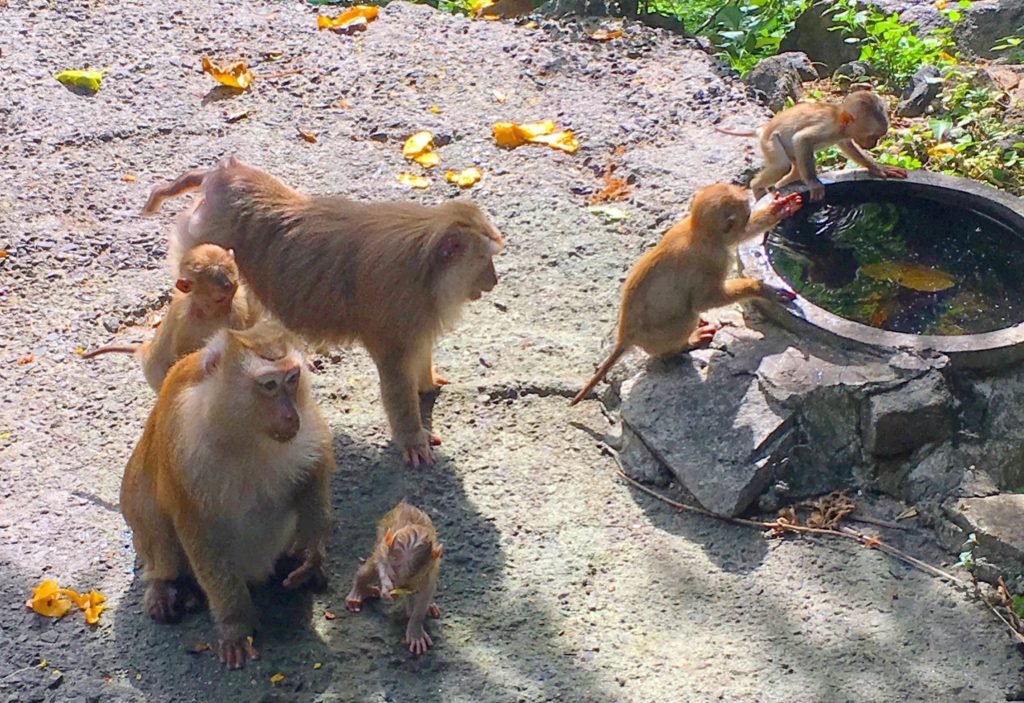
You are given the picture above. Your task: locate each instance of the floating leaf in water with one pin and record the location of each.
(465, 178)
(913, 276)
(235, 75)
(408, 179)
(354, 19)
(85, 79)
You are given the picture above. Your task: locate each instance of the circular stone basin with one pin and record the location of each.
(930, 263)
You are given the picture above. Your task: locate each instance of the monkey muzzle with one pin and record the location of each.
(286, 425)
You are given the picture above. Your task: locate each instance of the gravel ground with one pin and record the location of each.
(559, 582)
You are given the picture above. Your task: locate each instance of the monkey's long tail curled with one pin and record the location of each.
(617, 352)
(734, 132)
(185, 182)
(128, 349)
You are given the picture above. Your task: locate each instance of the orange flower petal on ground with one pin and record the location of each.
(506, 135)
(235, 75)
(465, 178)
(47, 600)
(605, 34)
(563, 141)
(418, 144)
(531, 130)
(353, 19)
(428, 159)
(408, 179)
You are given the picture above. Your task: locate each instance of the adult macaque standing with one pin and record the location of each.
(392, 275)
(206, 299)
(231, 473)
(791, 138)
(407, 556)
(685, 274)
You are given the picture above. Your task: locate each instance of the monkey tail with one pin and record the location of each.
(734, 132)
(617, 352)
(185, 182)
(129, 349)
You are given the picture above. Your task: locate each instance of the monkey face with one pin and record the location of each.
(868, 140)
(485, 280)
(275, 390)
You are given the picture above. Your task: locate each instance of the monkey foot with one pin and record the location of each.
(420, 643)
(439, 380)
(433, 611)
(354, 601)
(702, 335)
(893, 172)
(418, 454)
(233, 652)
(161, 602)
(309, 572)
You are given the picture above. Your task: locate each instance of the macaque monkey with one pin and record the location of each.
(406, 556)
(790, 139)
(684, 274)
(206, 299)
(391, 275)
(231, 473)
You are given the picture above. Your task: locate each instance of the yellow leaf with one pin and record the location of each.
(531, 130)
(605, 34)
(308, 136)
(943, 149)
(417, 144)
(317, 665)
(79, 351)
(435, 109)
(465, 178)
(85, 79)
(128, 178)
(235, 75)
(499, 96)
(3, 253)
(73, 596)
(563, 141)
(407, 179)
(92, 614)
(428, 159)
(478, 5)
(353, 19)
(277, 678)
(399, 592)
(47, 600)
(941, 4)
(912, 276)
(506, 135)
(5, 435)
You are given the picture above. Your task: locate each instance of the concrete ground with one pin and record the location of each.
(559, 582)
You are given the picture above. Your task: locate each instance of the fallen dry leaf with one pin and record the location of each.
(317, 665)
(48, 600)
(511, 135)
(341, 103)
(277, 678)
(354, 19)
(86, 79)
(235, 75)
(408, 179)
(435, 109)
(605, 34)
(128, 178)
(428, 159)
(26, 360)
(328, 615)
(614, 188)
(872, 542)
(499, 96)
(912, 276)
(465, 178)
(3, 253)
(308, 136)
(272, 55)
(563, 141)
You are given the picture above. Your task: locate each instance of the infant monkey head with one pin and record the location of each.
(209, 273)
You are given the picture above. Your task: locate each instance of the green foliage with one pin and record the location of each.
(746, 31)
(889, 45)
(966, 559)
(1013, 45)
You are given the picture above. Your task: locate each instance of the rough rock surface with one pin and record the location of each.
(923, 88)
(778, 78)
(559, 583)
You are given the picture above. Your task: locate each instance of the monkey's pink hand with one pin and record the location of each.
(816, 190)
(783, 295)
(233, 652)
(702, 335)
(893, 172)
(783, 206)
(311, 569)
(418, 639)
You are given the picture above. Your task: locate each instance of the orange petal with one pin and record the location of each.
(563, 141)
(428, 159)
(417, 144)
(531, 130)
(506, 135)
(234, 75)
(407, 179)
(465, 178)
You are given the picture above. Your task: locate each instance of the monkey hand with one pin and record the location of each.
(417, 639)
(783, 295)
(816, 191)
(310, 570)
(782, 206)
(233, 652)
(891, 172)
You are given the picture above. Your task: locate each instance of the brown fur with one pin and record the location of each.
(791, 138)
(391, 275)
(406, 555)
(685, 274)
(227, 477)
(207, 297)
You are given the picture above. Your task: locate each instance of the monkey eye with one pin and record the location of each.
(293, 378)
(270, 385)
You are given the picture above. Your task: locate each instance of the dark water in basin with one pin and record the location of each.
(907, 264)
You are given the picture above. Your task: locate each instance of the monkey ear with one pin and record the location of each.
(184, 285)
(730, 223)
(860, 86)
(389, 537)
(231, 253)
(846, 118)
(437, 551)
(451, 246)
(213, 351)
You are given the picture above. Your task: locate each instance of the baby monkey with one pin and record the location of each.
(685, 274)
(206, 299)
(791, 138)
(406, 558)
